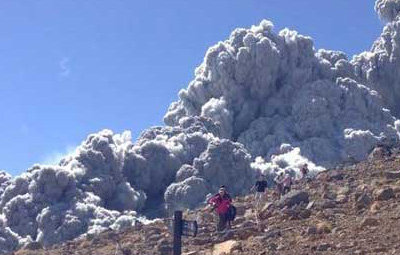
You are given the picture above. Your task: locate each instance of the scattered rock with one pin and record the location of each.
(312, 230)
(33, 246)
(294, 198)
(341, 199)
(369, 222)
(362, 201)
(247, 224)
(359, 252)
(240, 210)
(153, 238)
(325, 203)
(329, 195)
(384, 194)
(345, 190)
(323, 247)
(304, 214)
(239, 220)
(310, 205)
(202, 241)
(336, 175)
(272, 246)
(191, 253)
(225, 248)
(322, 176)
(324, 228)
(375, 207)
(380, 249)
(127, 251)
(273, 233)
(266, 211)
(392, 175)
(249, 214)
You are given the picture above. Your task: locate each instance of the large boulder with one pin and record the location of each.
(294, 197)
(384, 194)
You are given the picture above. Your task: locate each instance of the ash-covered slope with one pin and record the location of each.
(260, 101)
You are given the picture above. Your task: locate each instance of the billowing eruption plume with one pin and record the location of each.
(260, 101)
(388, 10)
(266, 89)
(378, 69)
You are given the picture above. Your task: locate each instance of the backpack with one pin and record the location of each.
(232, 213)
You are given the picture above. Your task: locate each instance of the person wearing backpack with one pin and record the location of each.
(261, 190)
(221, 203)
(231, 215)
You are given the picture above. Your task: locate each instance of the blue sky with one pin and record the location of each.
(69, 68)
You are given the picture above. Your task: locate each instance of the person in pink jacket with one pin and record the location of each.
(221, 203)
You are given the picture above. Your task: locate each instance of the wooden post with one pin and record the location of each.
(177, 232)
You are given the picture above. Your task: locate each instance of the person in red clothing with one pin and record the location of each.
(221, 203)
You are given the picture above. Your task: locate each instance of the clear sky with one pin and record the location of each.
(72, 67)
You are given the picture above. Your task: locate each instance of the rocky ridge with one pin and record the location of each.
(347, 210)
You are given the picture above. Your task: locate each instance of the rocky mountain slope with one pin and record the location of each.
(348, 210)
(261, 101)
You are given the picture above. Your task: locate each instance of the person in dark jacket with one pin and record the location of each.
(261, 191)
(221, 203)
(304, 171)
(287, 184)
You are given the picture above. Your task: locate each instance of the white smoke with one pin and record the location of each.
(260, 101)
(222, 162)
(85, 192)
(388, 10)
(5, 179)
(379, 67)
(288, 159)
(268, 89)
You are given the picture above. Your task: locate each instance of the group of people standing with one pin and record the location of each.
(221, 202)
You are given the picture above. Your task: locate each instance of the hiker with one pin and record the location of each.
(261, 190)
(278, 182)
(304, 171)
(287, 184)
(221, 203)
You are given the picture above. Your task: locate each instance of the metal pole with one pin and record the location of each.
(177, 232)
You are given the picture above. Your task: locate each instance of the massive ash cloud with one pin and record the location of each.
(109, 180)
(260, 101)
(266, 89)
(378, 68)
(388, 10)
(82, 194)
